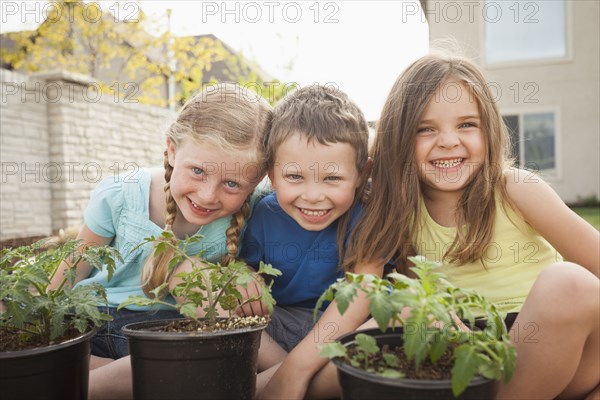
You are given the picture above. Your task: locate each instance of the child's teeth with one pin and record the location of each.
(312, 213)
(196, 206)
(447, 163)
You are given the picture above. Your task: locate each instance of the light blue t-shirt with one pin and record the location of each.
(119, 208)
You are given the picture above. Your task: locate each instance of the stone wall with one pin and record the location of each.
(59, 137)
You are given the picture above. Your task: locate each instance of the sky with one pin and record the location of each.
(359, 46)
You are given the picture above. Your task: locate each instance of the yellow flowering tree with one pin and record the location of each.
(127, 61)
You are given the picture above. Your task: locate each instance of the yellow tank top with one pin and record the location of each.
(511, 263)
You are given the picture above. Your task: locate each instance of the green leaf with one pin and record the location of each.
(189, 310)
(174, 263)
(267, 298)
(366, 343)
(508, 353)
(391, 373)
(465, 367)
(141, 301)
(487, 368)
(415, 336)
(267, 269)
(332, 350)
(381, 308)
(229, 302)
(439, 345)
(395, 276)
(159, 248)
(244, 279)
(391, 360)
(344, 295)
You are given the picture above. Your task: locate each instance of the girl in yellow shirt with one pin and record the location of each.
(443, 186)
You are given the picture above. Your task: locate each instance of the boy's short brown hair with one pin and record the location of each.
(321, 113)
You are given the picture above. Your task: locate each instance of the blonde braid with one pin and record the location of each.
(171, 206)
(233, 232)
(155, 271)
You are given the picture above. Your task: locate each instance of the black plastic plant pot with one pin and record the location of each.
(197, 365)
(59, 371)
(359, 384)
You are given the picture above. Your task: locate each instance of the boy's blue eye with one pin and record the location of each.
(197, 171)
(293, 177)
(333, 178)
(232, 184)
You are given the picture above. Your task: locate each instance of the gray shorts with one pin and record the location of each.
(289, 325)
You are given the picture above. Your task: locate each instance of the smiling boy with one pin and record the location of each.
(317, 150)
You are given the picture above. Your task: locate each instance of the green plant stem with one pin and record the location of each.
(489, 351)
(211, 303)
(366, 360)
(55, 271)
(166, 304)
(40, 288)
(224, 286)
(206, 281)
(19, 329)
(64, 281)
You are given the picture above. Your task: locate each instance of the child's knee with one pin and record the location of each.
(370, 324)
(571, 283)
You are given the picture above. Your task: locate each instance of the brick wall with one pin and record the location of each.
(59, 136)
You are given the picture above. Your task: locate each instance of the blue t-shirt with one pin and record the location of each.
(308, 260)
(119, 209)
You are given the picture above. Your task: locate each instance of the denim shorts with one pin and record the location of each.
(109, 341)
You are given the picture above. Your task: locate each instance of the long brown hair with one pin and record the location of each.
(327, 115)
(391, 218)
(231, 118)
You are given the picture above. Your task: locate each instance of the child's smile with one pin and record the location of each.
(314, 216)
(204, 212)
(447, 163)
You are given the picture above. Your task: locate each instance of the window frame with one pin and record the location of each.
(557, 172)
(569, 43)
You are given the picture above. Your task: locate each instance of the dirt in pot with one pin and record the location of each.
(188, 325)
(442, 369)
(12, 339)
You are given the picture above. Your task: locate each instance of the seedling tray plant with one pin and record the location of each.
(45, 334)
(192, 357)
(423, 346)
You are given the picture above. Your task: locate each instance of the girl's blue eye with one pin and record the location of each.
(467, 125)
(333, 178)
(232, 184)
(423, 130)
(197, 171)
(293, 177)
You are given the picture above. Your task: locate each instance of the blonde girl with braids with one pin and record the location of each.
(444, 187)
(213, 162)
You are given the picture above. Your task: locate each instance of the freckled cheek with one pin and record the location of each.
(344, 196)
(233, 203)
(175, 187)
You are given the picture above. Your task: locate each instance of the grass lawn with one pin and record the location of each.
(590, 214)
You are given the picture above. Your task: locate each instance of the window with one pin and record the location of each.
(533, 137)
(521, 30)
